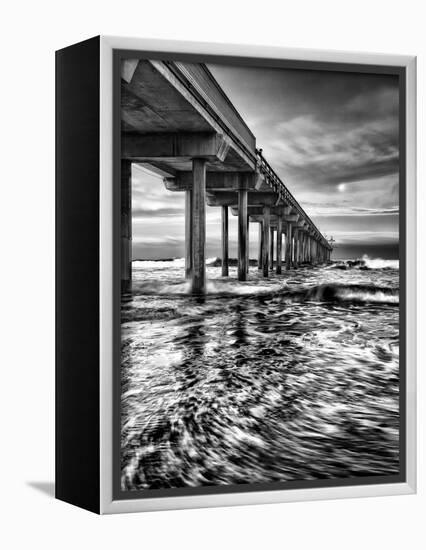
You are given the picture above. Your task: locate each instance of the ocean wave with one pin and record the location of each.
(349, 293)
(214, 288)
(171, 262)
(379, 263)
(366, 263)
(159, 264)
(328, 292)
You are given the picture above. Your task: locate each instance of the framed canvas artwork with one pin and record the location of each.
(235, 274)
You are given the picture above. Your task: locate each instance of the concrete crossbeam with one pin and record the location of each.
(169, 145)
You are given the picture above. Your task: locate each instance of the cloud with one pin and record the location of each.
(322, 152)
(319, 127)
(326, 210)
(160, 212)
(367, 237)
(157, 239)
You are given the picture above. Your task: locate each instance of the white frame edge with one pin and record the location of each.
(107, 504)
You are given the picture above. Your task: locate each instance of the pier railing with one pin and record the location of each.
(275, 182)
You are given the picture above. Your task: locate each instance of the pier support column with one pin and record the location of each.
(299, 247)
(271, 249)
(126, 226)
(296, 248)
(279, 243)
(288, 246)
(242, 234)
(188, 233)
(305, 247)
(225, 241)
(260, 249)
(199, 226)
(265, 247)
(248, 245)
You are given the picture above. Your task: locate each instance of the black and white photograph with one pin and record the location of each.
(213, 275)
(259, 257)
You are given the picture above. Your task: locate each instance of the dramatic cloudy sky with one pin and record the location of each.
(332, 137)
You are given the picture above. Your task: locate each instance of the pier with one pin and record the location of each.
(178, 123)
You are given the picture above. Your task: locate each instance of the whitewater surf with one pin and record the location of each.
(291, 377)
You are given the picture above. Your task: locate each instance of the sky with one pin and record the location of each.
(332, 138)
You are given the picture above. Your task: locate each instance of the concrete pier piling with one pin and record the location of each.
(279, 243)
(296, 248)
(248, 246)
(242, 234)
(126, 226)
(188, 233)
(271, 248)
(225, 242)
(265, 248)
(288, 246)
(260, 246)
(199, 226)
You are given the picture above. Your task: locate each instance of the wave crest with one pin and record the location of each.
(365, 263)
(379, 263)
(352, 293)
(319, 293)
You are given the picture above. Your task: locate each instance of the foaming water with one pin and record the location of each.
(294, 377)
(378, 263)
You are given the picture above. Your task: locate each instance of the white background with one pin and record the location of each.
(30, 32)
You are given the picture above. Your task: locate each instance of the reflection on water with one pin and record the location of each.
(291, 378)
